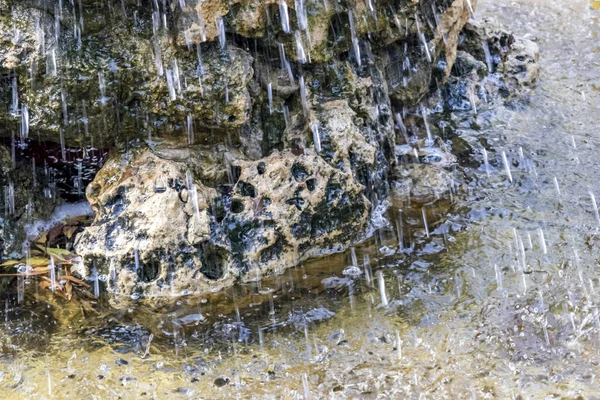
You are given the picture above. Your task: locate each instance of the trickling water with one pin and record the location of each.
(354, 39)
(285, 18)
(429, 137)
(24, 122)
(316, 137)
(300, 53)
(488, 56)
(595, 207)
(270, 96)
(506, 167)
(382, 291)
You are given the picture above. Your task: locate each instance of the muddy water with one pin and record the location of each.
(500, 301)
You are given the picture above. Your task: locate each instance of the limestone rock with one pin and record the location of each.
(280, 210)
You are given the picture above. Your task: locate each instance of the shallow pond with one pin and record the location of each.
(496, 298)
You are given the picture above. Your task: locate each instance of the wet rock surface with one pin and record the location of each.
(162, 229)
(248, 136)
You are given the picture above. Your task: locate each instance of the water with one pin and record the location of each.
(316, 137)
(285, 18)
(497, 315)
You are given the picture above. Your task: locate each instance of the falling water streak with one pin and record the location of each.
(15, 96)
(429, 137)
(498, 276)
(401, 126)
(354, 39)
(84, 118)
(595, 206)
(102, 87)
(472, 100)
(384, 300)
(545, 328)
(261, 339)
(488, 56)
(353, 257)
(136, 257)
(557, 187)
(486, 162)
(425, 221)
(270, 96)
(63, 150)
(398, 345)
(529, 241)
(542, 241)
(24, 122)
(79, 177)
(308, 345)
(96, 283)
(305, 386)
(301, 14)
(190, 129)
(49, 384)
(13, 150)
(573, 142)
(367, 268)
(316, 137)
(158, 58)
(51, 64)
(303, 96)
(147, 351)
(300, 53)
(176, 77)
(52, 275)
(578, 265)
(170, 85)
(506, 167)
(400, 231)
(285, 18)
(221, 30)
(20, 289)
(470, 7)
(63, 97)
(426, 46)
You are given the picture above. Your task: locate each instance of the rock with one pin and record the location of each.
(239, 149)
(147, 222)
(512, 62)
(24, 199)
(324, 28)
(420, 182)
(280, 211)
(521, 67)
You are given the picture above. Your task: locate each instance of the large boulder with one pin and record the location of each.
(168, 222)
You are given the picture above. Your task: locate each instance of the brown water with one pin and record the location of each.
(452, 328)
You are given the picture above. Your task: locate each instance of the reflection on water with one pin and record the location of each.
(492, 294)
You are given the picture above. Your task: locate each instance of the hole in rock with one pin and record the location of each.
(213, 261)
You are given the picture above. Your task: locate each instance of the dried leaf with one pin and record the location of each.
(69, 231)
(43, 238)
(10, 263)
(54, 233)
(37, 261)
(74, 280)
(68, 290)
(44, 285)
(61, 254)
